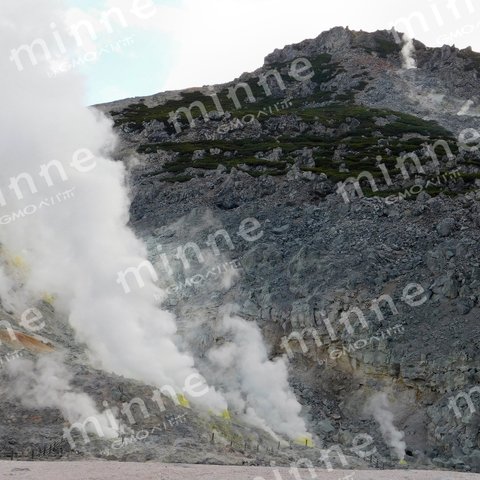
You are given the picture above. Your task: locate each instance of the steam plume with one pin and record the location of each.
(255, 386)
(74, 249)
(379, 407)
(408, 50)
(46, 384)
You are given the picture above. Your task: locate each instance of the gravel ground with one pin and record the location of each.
(158, 471)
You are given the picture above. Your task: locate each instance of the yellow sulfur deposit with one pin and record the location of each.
(15, 262)
(305, 441)
(183, 400)
(226, 415)
(48, 298)
(19, 262)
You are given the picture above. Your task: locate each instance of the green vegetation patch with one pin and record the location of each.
(360, 151)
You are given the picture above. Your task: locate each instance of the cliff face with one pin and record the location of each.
(379, 293)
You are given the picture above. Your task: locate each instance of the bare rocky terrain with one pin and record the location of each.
(317, 253)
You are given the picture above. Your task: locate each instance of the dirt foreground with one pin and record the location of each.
(98, 470)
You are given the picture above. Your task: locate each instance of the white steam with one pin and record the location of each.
(46, 384)
(408, 50)
(255, 386)
(379, 408)
(75, 248)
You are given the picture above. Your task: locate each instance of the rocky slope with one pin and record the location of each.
(316, 256)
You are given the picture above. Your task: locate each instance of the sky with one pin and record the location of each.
(157, 45)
